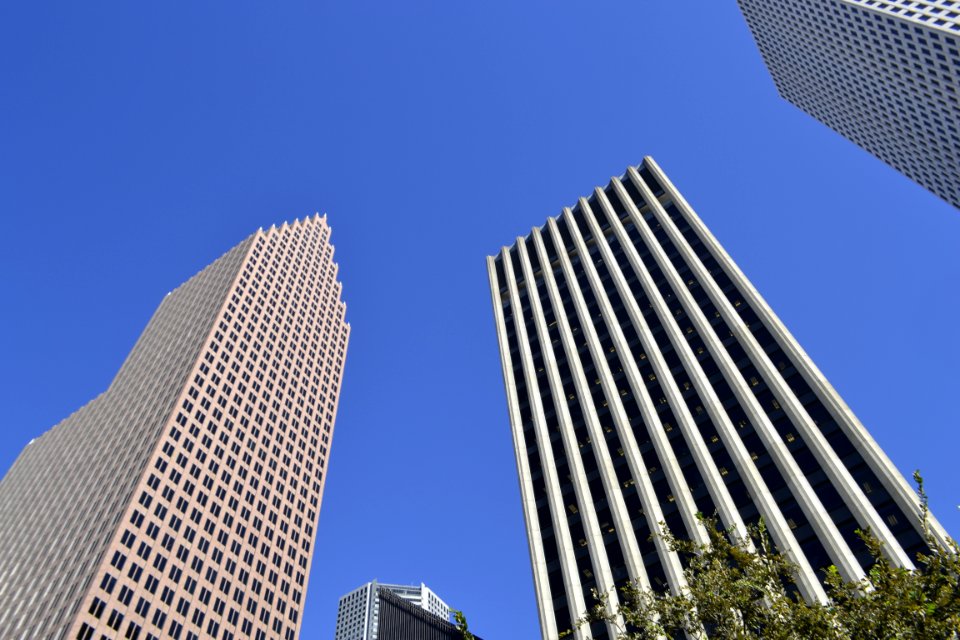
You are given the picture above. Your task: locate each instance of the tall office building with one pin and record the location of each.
(182, 502)
(882, 73)
(361, 611)
(647, 381)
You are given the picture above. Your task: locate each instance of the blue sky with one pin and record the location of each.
(139, 141)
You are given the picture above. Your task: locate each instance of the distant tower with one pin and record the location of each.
(359, 614)
(182, 502)
(884, 74)
(647, 381)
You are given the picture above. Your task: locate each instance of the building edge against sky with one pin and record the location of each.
(647, 381)
(884, 74)
(184, 499)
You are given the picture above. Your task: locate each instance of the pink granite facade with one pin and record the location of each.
(183, 501)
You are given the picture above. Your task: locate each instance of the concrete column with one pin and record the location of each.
(807, 580)
(604, 457)
(538, 562)
(827, 532)
(571, 448)
(904, 495)
(726, 507)
(839, 475)
(678, 484)
(648, 497)
(568, 561)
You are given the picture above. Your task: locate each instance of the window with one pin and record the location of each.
(116, 619)
(133, 631)
(159, 618)
(108, 583)
(96, 607)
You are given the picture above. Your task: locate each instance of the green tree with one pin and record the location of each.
(735, 592)
(462, 625)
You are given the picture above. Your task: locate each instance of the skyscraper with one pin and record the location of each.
(360, 612)
(182, 502)
(647, 381)
(882, 73)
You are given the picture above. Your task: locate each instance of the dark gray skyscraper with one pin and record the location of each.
(647, 381)
(882, 73)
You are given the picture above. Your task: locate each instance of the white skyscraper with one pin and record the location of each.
(882, 73)
(647, 381)
(358, 615)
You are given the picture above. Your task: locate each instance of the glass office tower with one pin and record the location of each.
(647, 381)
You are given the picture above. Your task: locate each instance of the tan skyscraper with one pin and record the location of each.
(182, 502)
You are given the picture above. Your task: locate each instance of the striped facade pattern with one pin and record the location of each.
(182, 502)
(884, 74)
(647, 381)
(358, 612)
(403, 620)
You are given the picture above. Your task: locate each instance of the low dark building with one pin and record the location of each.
(400, 620)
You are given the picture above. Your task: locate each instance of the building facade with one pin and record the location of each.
(647, 381)
(882, 73)
(360, 613)
(400, 619)
(182, 502)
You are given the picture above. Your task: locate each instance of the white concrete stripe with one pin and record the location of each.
(807, 580)
(604, 457)
(904, 495)
(651, 506)
(839, 475)
(538, 562)
(725, 505)
(578, 476)
(671, 466)
(568, 561)
(816, 513)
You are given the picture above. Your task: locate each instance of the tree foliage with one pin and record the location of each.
(735, 592)
(462, 626)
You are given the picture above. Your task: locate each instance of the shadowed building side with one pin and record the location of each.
(402, 620)
(359, 612)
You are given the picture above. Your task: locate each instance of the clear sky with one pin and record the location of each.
(139, 141)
